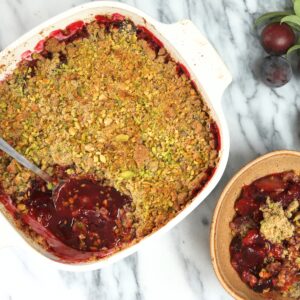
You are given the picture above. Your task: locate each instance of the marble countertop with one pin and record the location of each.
(176, 266)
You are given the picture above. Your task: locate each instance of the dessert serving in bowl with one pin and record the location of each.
(127, 112)
(255, 233)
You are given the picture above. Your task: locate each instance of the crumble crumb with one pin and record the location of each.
(275, 226)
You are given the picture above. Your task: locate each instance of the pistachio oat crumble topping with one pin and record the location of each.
(113, 105)
(275, 225)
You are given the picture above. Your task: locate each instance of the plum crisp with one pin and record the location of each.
(265, 249)
(104, 107)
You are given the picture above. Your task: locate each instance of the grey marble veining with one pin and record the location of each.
(176, 266)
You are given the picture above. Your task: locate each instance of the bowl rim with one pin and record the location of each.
(222, 198)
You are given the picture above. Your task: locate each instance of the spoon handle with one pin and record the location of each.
(23, 161)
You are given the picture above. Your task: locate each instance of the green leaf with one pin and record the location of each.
(293, 21)
(294, 48)
(271, 15)
(275, 20)
(297, 7)
(293, 25)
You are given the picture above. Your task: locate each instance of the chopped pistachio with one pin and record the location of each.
(72, 131)
(122, 138)
(127, 174)
(70, 171)
(50, 186)
(107, 121)
(102, 158)
(89, 148)
(291, 208)
(3, 105)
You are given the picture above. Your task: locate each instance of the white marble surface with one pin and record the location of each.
(260, 120)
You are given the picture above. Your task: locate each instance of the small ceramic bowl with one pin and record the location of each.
(221, 236)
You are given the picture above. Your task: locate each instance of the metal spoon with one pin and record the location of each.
(23, 161)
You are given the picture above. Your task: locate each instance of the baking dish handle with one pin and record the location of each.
(199, 55)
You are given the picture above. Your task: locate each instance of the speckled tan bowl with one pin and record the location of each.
(220, 237)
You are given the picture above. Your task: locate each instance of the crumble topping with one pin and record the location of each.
(109, 105)
(275, 225)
